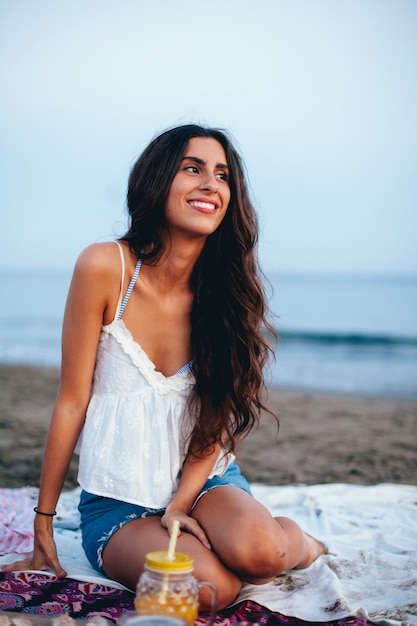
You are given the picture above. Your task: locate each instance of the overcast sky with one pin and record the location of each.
(321, 96)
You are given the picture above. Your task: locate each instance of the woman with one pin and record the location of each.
(167, 322)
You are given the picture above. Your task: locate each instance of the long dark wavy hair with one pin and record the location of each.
(230, 330)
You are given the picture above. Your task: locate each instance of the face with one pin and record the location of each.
(199, 194)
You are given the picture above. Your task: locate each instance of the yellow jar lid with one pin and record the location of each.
(161, 562)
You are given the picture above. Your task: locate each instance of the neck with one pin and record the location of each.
(174, 268)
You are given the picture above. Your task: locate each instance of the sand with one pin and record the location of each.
(323, 438)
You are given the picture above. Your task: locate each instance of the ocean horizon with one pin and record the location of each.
(346, 334)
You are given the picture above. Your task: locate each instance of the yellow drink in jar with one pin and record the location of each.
(178, 606)
(168, 588)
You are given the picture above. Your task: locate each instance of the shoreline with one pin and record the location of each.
(324, 437)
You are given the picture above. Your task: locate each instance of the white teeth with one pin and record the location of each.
(203, 205)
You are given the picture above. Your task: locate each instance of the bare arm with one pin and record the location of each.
(194, 475)
(81, 330)
(86, 305)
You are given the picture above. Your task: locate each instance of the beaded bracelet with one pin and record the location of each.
(42, 513)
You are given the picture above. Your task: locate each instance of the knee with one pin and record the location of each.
(260, 555)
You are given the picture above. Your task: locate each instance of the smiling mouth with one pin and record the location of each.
(204, 206)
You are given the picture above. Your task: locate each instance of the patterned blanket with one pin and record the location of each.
(43, 595)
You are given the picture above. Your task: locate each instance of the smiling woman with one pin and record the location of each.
(168, 325)
(202, 184)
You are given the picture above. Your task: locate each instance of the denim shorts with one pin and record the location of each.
(101, 517)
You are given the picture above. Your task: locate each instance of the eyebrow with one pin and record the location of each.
(222, 166)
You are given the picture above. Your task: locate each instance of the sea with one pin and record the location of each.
(354, 335)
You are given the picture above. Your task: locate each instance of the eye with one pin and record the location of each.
(223, 176)
(191, 168)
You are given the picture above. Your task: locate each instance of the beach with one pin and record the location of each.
(323, 438)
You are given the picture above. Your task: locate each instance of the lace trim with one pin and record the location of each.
(177, 382)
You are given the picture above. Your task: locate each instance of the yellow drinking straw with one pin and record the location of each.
(170, 557)
(173, 539)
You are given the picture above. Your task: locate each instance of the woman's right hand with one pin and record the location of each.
(44, 556)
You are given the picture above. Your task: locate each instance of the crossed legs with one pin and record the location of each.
(248, 544)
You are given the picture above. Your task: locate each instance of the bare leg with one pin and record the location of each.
(249, 540)
(125, 552)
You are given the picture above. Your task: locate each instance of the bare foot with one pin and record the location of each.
(314, 549)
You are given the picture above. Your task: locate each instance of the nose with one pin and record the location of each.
(210, 184)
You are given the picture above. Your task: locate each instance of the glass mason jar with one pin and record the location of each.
(168, 587)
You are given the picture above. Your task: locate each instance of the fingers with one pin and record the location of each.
(17, 566)
(187, 524)
(45, 562)
(195, 529)
(58, 569)
(30, 563)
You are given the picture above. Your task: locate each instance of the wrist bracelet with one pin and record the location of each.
(42, 513)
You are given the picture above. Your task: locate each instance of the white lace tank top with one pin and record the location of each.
(137, 428)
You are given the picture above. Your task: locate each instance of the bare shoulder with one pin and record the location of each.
(99, 261)
(98, 269)
(96, 278)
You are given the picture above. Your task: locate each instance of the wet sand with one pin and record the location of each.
(323, 438)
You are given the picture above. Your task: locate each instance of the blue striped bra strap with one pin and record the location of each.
(130, 288)
(125, 300)
(184, 368)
